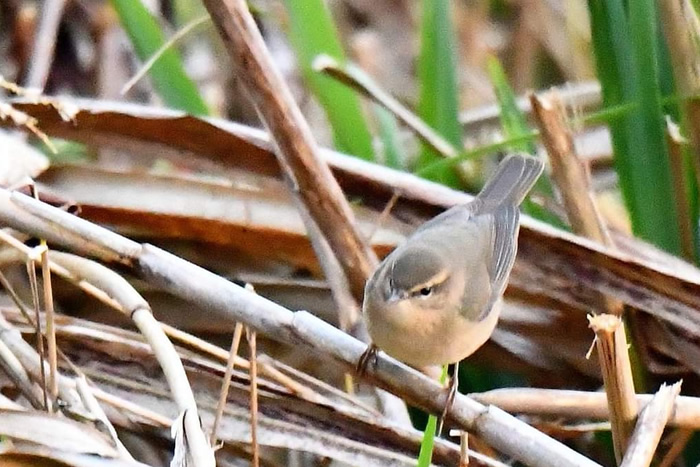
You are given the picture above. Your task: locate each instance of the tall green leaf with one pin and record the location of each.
(312, 32)
(515, 125)
(168, 75)
(626, 51)
(439, 98)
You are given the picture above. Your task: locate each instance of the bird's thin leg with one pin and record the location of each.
(363, 362)
(451, 392)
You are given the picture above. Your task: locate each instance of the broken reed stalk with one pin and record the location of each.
(297, 151)
(572, 180)
(650, 427)
(232, 303)
(617, 375)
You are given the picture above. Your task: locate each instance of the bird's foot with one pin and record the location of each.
(369, 355)
(451, 393)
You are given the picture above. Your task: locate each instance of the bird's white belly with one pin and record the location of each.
(445, 340)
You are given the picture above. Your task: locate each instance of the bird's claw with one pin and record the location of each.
(363, 362)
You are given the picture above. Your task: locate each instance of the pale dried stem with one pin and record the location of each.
(90, 402)
(232, 303)
(13, 368)
(44, 43)
(138, 309)
(297, 151)
(682, 31)
(675, 156)
(251, 336)
(567, 170)
(572, 180)
(559, 403)
(617, 374)
(226, 383)
(34, 287)
(650, 427)
(50, 323)
(678, 443)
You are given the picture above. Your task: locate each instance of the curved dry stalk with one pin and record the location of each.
(232, 303)
(134, 305)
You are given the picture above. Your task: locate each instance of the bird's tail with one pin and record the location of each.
(514, 177)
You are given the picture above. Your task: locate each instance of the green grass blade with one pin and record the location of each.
(167, 74)
(654, 215)
(515, 126)
(312, 32)
(626, 52)
(439, 97)
(394, 153)
(512, 119)
(426, 446)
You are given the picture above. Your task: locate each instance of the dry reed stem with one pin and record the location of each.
(34, 287)
(678, 443)
(90, 402)
(226, 383)
(251, 337)
(567, 170)
(13, 368)
(675, 155)
(617, 374)
(138, 309)
(50, 322)
(558, 403)
(297, 152)
(681, 28)
(232, 303)
(650, 427)
(44, 43)
(572, 180)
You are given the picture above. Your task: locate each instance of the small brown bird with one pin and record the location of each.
(437, 297)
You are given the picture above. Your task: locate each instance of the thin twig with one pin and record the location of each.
(186, 29)
(232, 303)
(44, 43)
(650, 427)
(359, 81)
(226, 383)
(252, 345)
(31, 272)
(297, 151)
(50, 322)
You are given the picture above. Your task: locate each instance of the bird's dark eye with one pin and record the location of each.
(425, 291)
